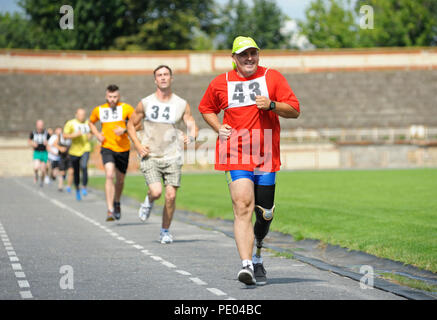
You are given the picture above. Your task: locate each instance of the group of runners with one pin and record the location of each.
(60, 152)
(247, 149)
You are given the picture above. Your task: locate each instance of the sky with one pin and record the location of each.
(295, 9)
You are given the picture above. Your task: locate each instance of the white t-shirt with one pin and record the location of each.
(54, 152)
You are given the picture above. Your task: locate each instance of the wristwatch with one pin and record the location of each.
(191, 138)
(272, 105)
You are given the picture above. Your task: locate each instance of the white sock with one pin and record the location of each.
(256, 259)
(247, 263)
(147, 202)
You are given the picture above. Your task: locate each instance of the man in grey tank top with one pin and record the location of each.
(161, 145)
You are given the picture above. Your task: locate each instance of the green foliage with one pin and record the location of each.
(330, 25)
(14, 32)
(169, 25)
(400, 23)
(262, 22)
(112, 24)
(397, 23)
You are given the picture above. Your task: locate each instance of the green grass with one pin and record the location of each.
(388, 213)
(412, 283)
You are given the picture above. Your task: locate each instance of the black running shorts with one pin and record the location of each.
(120, 159)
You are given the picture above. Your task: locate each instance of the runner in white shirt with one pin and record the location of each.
(161, 147)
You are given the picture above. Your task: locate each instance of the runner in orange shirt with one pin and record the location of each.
(115, 147)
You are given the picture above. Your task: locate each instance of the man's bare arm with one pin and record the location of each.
(191, 124)
(282, 109)
(95, 132)
(224, 130)
(133, 122)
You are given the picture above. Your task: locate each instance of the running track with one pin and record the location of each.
(53, 247)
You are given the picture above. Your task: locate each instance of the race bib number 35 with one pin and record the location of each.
(111, 115)
(242, 94)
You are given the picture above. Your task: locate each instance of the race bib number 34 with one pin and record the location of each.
(243, 93)
(162, 113)
(111, 115)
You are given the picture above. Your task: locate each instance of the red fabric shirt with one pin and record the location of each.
(254, 142)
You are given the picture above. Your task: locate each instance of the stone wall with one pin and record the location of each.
(328, 100)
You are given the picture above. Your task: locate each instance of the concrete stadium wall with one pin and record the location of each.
(371, 99)
(214, 62)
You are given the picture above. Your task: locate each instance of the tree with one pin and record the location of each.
(263, 22)
(330, 24)
(113, 24)
(168, 25)
(96, 24)
(14, 31)
(399, 23)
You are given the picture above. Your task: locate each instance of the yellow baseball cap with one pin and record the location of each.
(243, 43)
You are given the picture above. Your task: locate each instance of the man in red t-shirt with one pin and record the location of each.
(247, 148)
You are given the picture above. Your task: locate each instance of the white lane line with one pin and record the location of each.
(17, 267)
(23, 284)
(198, 281)
(156, 258)
(26, 294)
(137, 246)
(130, 242)
(183, 272)
(147, 252)
(216, 291)
(168, 264)
(121, 238)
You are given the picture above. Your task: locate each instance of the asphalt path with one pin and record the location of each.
(56, 248)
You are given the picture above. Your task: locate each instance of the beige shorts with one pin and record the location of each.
(155, 169)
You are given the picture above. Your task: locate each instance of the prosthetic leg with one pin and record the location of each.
(264, 209)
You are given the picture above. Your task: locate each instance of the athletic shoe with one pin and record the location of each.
(145, 210)
(260, 274)
(247, 276)
(117, 210)
(68, 189)
(166, 237)
(47, 180)
(110, 216)
(84, 192)
(78, 196)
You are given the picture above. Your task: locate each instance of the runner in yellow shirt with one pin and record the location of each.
(78, 131)
(113, 116)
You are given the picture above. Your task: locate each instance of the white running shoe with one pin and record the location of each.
(145, 210)
(47, 180)
(166, 237)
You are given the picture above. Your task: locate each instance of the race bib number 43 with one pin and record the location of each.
(243, 93)
(111, 115)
